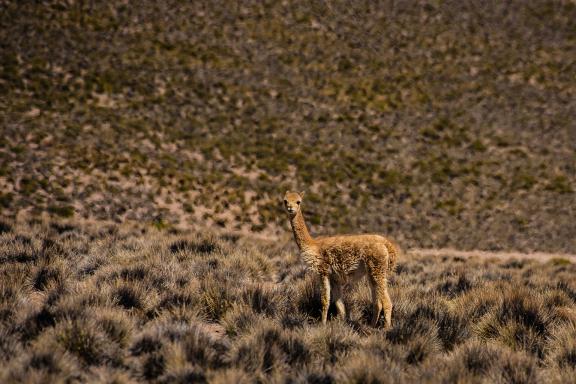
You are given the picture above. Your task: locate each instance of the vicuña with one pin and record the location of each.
(343, 260)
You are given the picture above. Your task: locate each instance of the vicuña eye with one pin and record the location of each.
(298, 202)
(285, 201)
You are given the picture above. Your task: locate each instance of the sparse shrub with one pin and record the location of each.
(203, 246)
(332, 343)
(291, 320)
(44, 364)
(520, 322)
(476, 302)
(48, 275)
(403, 331)
(215, 298)
(115, 323)
(477, 358)
(9, 346)
(6, 199)
(518, 368)
(107, 375)
(268, 349)
(453, 329)
(419, 317)
(153, 366)
(182, 298)
(204, 350)
(62, 228)
(84, 340)
(560, 184)
(366, 368)
(422, 347)
(307, 297)
(239, 320)
(562, 347)
(251, 264)
(519, 337)
(191, 375)
(516, 264)
(61, 210)
(472, 361)
(129, 298)
(5, 227)
(229, 375)
(135, 273)
(36, 322)
(146, 344)
(455, 286)
(268, 301)
(133, 296)
(559, 261)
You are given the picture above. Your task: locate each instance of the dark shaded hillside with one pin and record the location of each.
(441, 123)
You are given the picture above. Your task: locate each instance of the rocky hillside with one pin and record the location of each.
(442, 123)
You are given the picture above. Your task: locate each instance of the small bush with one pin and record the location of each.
(268, 350)
(61, 210)
(215, 298)
(5, 227)
(518, 368)
(202, 349)
(562, 347)
(145, 344)
(83, 340)
(204, 246)
(264, 300)
(48, 276)
(117, 326)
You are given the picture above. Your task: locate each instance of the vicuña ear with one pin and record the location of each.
(302, 193)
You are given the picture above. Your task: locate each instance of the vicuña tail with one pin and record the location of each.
(394, 252)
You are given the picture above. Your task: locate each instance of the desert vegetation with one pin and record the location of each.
(86, 302)
(144, 146)
(441, 123)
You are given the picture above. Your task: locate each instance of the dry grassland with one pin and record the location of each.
(82, 302)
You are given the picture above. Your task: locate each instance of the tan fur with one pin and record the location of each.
(342, 260)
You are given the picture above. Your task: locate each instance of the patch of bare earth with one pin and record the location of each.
(501, 255)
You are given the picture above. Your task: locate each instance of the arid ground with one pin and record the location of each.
(145, 148)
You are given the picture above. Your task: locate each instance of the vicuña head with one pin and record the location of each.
(343, 260)
(292, 201)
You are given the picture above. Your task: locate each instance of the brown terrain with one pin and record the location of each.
(94, 302)
(145, 148)
(442, 124)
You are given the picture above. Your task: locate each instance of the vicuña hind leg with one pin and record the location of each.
(337, 296)
(387, 305)
(380, 300)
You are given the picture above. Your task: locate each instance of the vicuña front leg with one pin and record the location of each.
(325, 298)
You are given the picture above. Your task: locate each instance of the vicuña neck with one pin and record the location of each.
(301, 235)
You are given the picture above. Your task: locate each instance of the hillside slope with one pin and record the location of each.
(442, 124)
